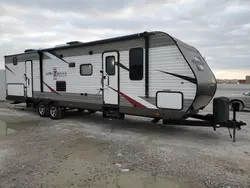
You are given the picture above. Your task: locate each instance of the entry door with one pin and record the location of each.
(110, 78)
(28, 79)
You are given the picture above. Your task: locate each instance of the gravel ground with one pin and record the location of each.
(85, 150)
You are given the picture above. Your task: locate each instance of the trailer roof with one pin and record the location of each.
(114, 39)
(185, 45)
(103, 41)
(21, 54)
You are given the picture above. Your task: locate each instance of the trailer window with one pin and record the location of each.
(110, 65)
(60, 86)
(15, 61)
(136, 64)
(86, 69)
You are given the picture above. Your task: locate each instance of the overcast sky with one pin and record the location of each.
(220, 29)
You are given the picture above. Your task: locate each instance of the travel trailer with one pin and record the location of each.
(149, 74)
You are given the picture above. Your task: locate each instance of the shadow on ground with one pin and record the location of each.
(143, 125)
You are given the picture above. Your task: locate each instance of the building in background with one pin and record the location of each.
(247, 79)
(242, 81)
(227, 81)
(234, 81)
(2, 85)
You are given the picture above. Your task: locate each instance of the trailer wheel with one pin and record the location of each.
(27, 104)
(42, 110)
(80, 110)
(91, 111)
(55, 112)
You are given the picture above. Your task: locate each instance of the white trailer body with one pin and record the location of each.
(146, 74)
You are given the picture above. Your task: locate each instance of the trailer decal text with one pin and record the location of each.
(56, 74)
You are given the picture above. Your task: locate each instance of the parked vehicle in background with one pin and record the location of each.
(243, 100)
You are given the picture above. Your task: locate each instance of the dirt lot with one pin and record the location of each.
(85, 150)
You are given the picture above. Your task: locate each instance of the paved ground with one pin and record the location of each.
(86, 151)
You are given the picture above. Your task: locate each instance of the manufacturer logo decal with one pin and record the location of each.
(56, 74)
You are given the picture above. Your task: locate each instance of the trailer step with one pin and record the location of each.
(112, 113)
(17, 102)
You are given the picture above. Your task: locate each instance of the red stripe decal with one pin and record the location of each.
(132, 101)
(51, 89)
(129, 99)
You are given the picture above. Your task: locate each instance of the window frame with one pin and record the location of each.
(86, 64)
(142, 76)
(111, 56)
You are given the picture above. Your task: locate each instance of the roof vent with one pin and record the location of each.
(29, 50)
(61, 45)
(74, 42)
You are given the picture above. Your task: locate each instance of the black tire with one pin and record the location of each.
(55, 112)
(241, 105)
(28, 104)
(42, 110)
(80, 110)
(91, 111)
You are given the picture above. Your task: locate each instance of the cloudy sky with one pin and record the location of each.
(220, 29)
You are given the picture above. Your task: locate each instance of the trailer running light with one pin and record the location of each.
(200, 67)
(198, 62)
(197, 59)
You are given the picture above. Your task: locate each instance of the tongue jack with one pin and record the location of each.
(236, 107)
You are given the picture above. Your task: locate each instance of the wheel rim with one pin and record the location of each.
(42, 109)
(53, 111)
(240, 106)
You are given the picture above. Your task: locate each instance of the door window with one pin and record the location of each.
(110, 65)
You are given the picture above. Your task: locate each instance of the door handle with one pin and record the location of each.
(104, 77)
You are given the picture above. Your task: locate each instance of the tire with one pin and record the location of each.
(91, 111)
(241, 105)
(80, 110)
(28, 104)
(42, 110)
(55, 112)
